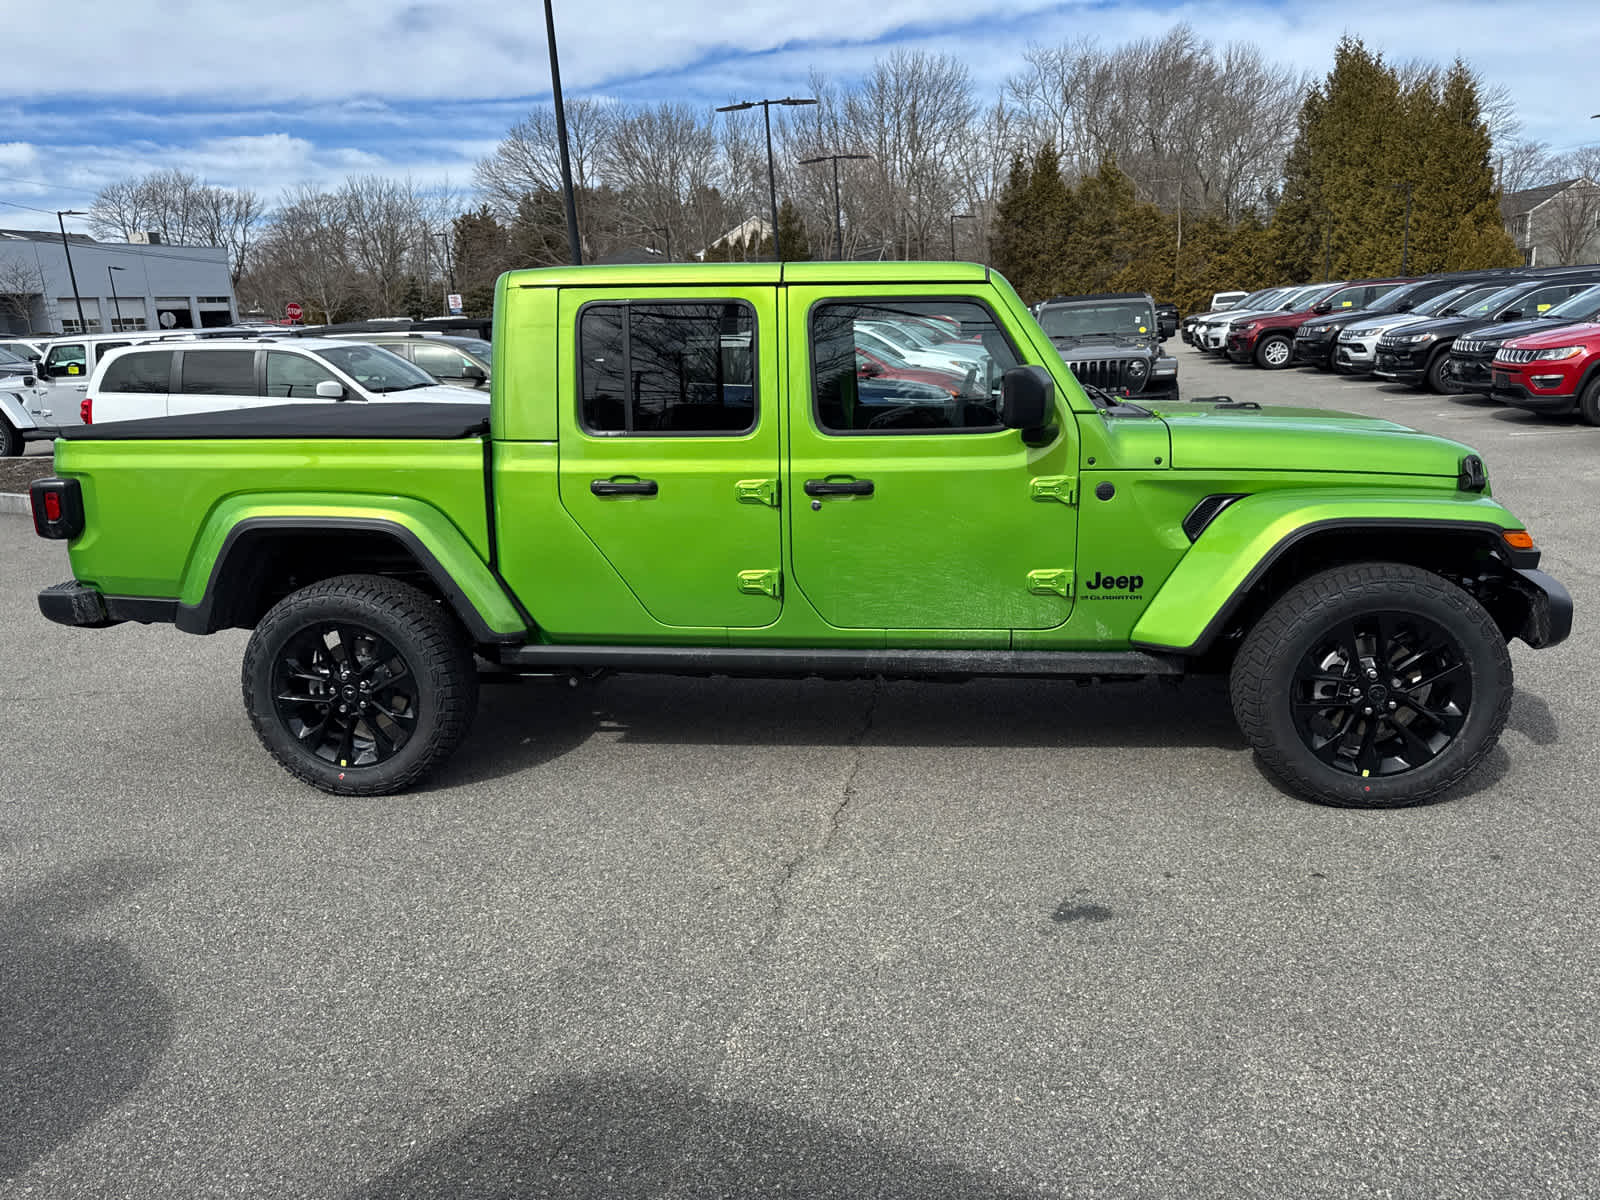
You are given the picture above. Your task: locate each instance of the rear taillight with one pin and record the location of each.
(86, 410)
(57, 508)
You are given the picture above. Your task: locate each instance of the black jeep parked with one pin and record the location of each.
(1112, 341)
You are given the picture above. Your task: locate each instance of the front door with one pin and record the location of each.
(669, 448)
(910, 506)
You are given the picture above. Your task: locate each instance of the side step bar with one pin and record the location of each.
(843, 664)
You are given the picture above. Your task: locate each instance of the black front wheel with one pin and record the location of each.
(359, 685)
(11, 443)
(1589, 402)
(1373, 685)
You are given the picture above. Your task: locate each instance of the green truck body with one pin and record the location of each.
(1104, 539)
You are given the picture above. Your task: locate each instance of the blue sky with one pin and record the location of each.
(269, 97)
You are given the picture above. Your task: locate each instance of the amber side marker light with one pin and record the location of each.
(1518, 539)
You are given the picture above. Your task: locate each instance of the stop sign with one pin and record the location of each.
(292, 311)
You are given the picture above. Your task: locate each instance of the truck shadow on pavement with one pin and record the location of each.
(619, 1137)
(520, 726)
(81, 1024)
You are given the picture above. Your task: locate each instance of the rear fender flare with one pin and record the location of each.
(1213, 579)
(425, 533)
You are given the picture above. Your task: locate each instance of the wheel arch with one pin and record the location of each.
(1209, 601)
(261, 559)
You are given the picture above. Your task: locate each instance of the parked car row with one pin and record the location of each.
(1526, 337)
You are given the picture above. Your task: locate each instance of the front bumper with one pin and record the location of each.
(1241, 347)
(1512, 390)
(1549, 615)
(1470, 374)
(77, 604)
(1403, 366)
(1314, 352)
(1356, 358)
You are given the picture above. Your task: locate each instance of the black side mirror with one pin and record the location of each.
(475, 373)
(1324, 307)
(1027, 398)
(1511, 314)
(1404, 306)
(44, 371)
(30, 381)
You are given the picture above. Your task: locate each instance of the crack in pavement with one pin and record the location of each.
(835, 820)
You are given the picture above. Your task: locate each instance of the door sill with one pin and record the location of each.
(843, 664)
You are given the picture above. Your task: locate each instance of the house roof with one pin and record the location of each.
(40, 235)
(1518, 203)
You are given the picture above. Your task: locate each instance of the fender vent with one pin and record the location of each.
(1205, 512)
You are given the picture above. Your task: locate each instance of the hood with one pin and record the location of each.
(439, 393)
(1561, 335)
(1502, 331)
(1382, 324)
(1208, 438)
(1103, 347)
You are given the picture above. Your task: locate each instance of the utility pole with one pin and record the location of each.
(449, 263)
(772, 179)
(1405, 238)
(954, 217)
(838, 222)
(574, 245)
(116, 305)
(71, 274)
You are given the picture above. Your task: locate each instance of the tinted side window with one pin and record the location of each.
(1547, 298)
(868, 379)
(439, 361)
(676, 368)
(219, 373)
(294, 376)
(144, 374)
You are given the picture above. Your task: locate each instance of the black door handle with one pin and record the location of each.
(610, 487)
(838, 487)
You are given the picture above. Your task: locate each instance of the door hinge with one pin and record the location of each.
(1054, 487)
(1053, 581)
(757, 491)
(762, 583)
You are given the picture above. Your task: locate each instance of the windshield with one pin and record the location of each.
(377, 369)
(1392, 301)
(1469, 293)
(1128, 318)
(1582, 307)
(1260, 299)
(1494, 301)
(10, 362)
(1307, 296)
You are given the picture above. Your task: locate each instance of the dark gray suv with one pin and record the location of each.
(1112, 341)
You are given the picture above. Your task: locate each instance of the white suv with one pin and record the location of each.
(173, 378)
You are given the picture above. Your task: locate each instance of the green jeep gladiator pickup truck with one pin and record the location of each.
(686, 469)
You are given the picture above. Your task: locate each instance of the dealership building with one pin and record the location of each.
(121, 286)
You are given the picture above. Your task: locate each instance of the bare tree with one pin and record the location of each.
(21, 283)
(304, 256)
(1523, 165)
(183, 209)
(663, 163)
(230, 219)
(1570, 223)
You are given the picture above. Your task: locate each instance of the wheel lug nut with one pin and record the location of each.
(1393, 706)
(1372, 672)
(1367, 712)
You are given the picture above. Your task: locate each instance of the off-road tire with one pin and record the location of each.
(1262, 680)
(11, 443)
(427, 637)
(1263, 355)
(1589, 401)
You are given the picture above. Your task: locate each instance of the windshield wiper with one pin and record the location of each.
(403, 388)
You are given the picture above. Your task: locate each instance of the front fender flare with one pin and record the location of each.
(1235, 550)
(464, 579)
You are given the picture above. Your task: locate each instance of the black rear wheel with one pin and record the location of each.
(1373, 685)
(359, 685)
(1589, 402)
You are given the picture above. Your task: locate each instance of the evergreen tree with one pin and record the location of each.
(1035, 217)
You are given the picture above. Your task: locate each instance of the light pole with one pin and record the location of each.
(449, 263)
(1405, 237)
(954, 217)
(772, 179)
(71, 274)
(574, 246)
(838, 225)
(116, 305)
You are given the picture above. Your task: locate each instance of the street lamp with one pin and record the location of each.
(71, 274)
(772, 179)
(574, 246)
(838, 226)
(954, 217)
(116, 305)
(449, 263)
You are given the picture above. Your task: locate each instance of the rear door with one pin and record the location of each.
(669, 425)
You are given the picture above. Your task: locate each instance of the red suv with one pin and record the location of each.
(1552, 372)
(1269, 339)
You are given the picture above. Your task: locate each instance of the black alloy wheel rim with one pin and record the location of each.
(1381, 694)
(346, 695)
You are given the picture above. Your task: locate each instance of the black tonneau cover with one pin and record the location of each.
(329, 419)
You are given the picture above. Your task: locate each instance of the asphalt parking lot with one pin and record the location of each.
(662, 938)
